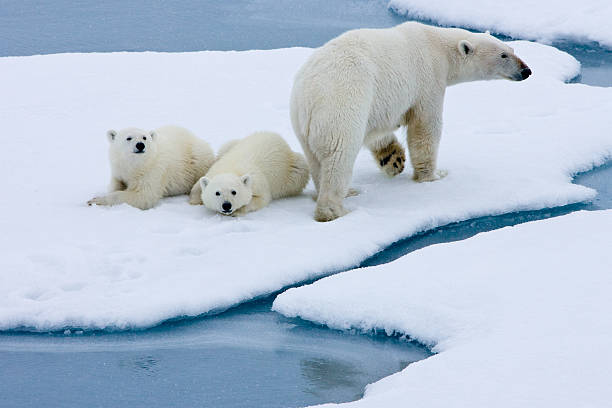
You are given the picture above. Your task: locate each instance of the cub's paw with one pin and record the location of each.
(429, 176)
(391, 158)
(98, 201)
(329, 213)
(196, 200)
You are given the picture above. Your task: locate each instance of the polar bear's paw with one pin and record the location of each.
(98, 201)
(421, 177)
(391, 158)
(329, 213)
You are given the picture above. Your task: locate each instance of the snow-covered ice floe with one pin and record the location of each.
(508, 147)
(519, 316)
(542, 20)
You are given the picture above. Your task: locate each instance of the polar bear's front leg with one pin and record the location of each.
(389, 155)
(424, 129)
(136, 199)
(143, 195)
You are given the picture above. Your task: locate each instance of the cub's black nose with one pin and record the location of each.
(140, 146)
(525, 72)
(226, 206)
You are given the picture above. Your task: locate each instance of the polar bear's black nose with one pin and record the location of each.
(140, 146)
(525, 72)
(226, 206)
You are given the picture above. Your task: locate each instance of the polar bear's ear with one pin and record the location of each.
(152, 134)
(111, 135)
(204, 182)
(465, 47)
(488, 32)
(246, 180)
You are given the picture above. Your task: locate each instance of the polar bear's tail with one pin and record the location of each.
(298, 174)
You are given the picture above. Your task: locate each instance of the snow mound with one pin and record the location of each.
(542, 20)
(519, 316)
(508, 147)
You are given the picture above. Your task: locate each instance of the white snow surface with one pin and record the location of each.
(542, 20)
(508, 147)
(520, 317)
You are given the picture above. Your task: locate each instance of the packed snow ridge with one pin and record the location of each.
(518, 316)
(508, 147)
(542, 20)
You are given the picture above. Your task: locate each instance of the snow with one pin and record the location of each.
(508, 147)
(518, 316)
(542, 20)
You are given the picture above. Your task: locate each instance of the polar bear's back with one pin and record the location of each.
(261, 154)
(185, 157)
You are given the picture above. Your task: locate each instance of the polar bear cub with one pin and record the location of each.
(146, 166)
(251, 172)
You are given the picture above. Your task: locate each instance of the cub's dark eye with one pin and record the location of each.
(144, 138)
(128, 139)
(504, 55)
(218, 193)
(233, 192)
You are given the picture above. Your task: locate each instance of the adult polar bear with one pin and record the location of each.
(361, 86)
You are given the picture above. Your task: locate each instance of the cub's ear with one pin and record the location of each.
(204, 182)
(111, 135)
(152, 134)
(488, 32)
(465, 48)
(246, 180)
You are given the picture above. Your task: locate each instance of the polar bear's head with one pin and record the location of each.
(132, 145)
(485, 57)
(227, 192)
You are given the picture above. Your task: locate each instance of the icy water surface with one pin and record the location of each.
(247, 356)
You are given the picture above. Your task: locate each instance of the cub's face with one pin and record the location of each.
(489, 58)
(132, 144)
(226, 193)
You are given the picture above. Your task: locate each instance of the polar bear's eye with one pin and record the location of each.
(504, 55)
(128, 139)
(218, 193)
(233, 192)
(144, 138)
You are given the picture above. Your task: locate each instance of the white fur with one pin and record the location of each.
(172, 161)
(251, 172)
(361, 86)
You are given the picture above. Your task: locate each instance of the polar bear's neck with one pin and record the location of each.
(448, 56)
(128, 169)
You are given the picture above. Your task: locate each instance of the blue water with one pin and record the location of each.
(247, 356)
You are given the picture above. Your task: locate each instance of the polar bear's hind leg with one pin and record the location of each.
(389, 155)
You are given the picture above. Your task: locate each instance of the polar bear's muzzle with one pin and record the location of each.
(226, 207)
(524, 71)
(139, 147)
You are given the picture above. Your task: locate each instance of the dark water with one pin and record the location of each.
(247, 356)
